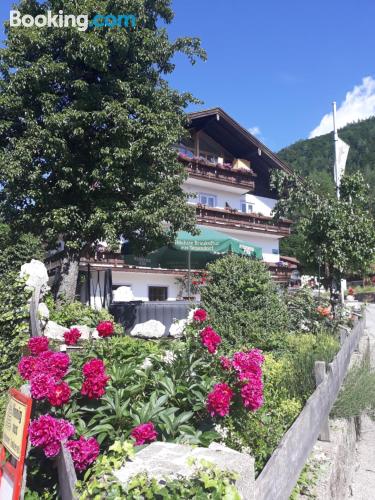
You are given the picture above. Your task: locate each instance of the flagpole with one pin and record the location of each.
(337, 179)
(336, 143)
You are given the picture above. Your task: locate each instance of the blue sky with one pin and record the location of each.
(276, 66)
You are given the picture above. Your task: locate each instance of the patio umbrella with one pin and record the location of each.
(195, 251)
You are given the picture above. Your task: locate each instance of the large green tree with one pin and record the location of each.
(337, 234)
(87, 128)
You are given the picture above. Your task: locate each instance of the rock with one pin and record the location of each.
(43, 311)
(85, 331)
(123, 294)
(177, 328)
(55, 331)
(161, 460)
(36, 273)
(151, 329)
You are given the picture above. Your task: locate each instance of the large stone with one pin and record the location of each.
(36, 273)
(123, 294)
(55, 331)
(151, 329)
(169, 460)
(177, 328)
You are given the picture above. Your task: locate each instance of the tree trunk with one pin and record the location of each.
(68, 277)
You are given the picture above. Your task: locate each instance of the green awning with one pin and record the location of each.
(203, 248)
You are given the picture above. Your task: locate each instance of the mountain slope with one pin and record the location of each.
(314, 157)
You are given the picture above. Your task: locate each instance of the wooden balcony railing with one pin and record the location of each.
(233, 219)
(215, 173)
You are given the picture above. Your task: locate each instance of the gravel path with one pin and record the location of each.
(363, 486)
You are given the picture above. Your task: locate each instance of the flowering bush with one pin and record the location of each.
(105, 328)
(144, 433)
(71, 336)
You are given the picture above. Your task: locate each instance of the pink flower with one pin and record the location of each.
(54, 363)
(252, 394)
(210, 339)
(26, 367)
(93, 367)
(105, 329)
(95, 379)
(144, 433)
(37, 345)
(200, 315)
(83, 451)
(59, 394)
(71, 336)
(248, 364)
(41, 384)
(48, 432)
(94, 387)
(226, 363)
(218, 400)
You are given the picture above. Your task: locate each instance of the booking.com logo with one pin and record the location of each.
(81, 21)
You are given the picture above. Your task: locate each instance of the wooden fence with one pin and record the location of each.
(280, 474)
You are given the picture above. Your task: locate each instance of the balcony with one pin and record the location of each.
(233, 219)
(224, 174)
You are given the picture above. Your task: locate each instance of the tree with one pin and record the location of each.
(87, 129)
(243, 302)
(338, 234)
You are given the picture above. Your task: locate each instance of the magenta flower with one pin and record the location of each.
(144, 433)
(95, 379)
(105, 329)
(252, 394)
(200, 315)
(37, 345)
(248, 364)
(210, 339)
(71, 336)
(226, 363)
(48, 432)
(26, 367)
(59, 394)
(93, 367)
(218, 400)
(83, 451)
(41, 384)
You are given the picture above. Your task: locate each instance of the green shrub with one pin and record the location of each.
(357, 394)
(243, 302)
(302, 352)
(76, 313)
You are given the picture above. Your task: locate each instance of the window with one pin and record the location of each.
(211, 150)
(246, 207)
(207, 199)
(157, 293)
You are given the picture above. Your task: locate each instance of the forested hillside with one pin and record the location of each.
(314, 157)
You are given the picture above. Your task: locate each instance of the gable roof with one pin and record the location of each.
(221, 127)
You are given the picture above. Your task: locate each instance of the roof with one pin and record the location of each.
(290, 259)
(217, 123)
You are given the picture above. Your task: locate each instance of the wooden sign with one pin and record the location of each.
(14, 444)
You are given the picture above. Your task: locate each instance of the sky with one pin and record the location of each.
(276, 66)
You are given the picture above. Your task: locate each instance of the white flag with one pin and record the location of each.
(342, 150)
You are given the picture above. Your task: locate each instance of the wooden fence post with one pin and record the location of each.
(320, 374)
